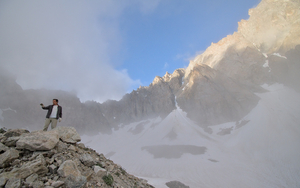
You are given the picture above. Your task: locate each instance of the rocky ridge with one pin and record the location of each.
(56, 159)
(219, 85)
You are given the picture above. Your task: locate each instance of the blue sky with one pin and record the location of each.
(174, 32)
(101, 49)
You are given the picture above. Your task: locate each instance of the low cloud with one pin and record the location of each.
(66, 45)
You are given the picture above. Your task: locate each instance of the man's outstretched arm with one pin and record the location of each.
(44, 107)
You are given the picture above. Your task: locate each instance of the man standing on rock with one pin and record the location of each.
(54, 114)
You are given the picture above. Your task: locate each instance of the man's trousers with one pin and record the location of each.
(53, 122)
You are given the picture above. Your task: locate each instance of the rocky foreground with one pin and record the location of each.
(55, 159)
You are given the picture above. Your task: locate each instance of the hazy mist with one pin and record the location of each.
(66, 45)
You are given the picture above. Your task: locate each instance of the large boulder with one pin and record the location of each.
(67, 134)
(38, 140)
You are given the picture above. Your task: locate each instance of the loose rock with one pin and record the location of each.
(58, 165)
(75, 182)
(36, 166)
(87, 160)
(67, 168)
(57, 183)
(68, 134)
(3, 147)
(8, 156)
(30, 179)
(15, 132)
(13, 183)
(3, 181)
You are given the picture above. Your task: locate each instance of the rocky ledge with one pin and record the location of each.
(55, 159)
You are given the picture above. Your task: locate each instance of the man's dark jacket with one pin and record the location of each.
(50, 107)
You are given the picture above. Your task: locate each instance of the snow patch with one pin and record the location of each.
(176, 104)
(277, 54)
(266, 56)
(266, 64)
(185, 86)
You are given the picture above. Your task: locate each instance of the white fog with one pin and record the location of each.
(262, 153)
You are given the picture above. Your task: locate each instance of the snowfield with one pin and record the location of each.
(261, 150)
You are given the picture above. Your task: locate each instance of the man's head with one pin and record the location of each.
(55, 101)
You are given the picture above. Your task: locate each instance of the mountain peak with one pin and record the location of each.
(273, 26)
